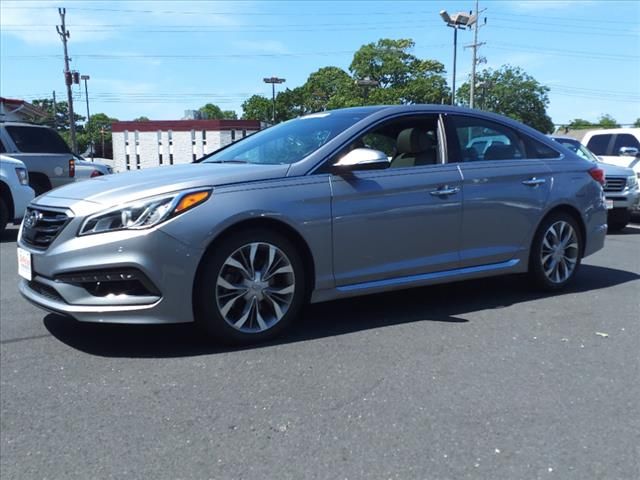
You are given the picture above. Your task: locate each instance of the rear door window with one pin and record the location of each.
(599, 144)
(2, 149)
(37, 140)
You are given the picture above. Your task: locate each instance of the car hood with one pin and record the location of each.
(115, 189)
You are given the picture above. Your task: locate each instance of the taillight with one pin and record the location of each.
(95, 173)
(597, 174)
(72, 168)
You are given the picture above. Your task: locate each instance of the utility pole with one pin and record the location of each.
(86, 96)
(273, 81)
(475, 47)
(55, 112)
(68, 77)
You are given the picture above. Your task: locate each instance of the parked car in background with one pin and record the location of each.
(87, 169)
(481, 144)
(15, 192)
(618, 146)
(240, 240)
(47, 157)
(621, 187)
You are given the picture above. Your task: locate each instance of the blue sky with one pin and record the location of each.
(159, 58)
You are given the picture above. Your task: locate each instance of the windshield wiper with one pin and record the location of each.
(227, 161)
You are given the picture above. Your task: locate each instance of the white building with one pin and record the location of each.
(154, 143)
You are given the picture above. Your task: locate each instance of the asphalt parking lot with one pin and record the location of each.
(483, 379)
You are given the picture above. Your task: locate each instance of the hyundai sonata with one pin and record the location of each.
(330, 205)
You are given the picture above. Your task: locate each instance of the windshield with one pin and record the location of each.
(287, 142)
(37, 140)
(577, 148)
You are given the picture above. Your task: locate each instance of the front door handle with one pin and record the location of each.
(534, 182)
(445, 191)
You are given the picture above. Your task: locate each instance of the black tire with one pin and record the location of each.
(4, 216)
(618, 219)
(39, 185)
(207, 291)
(538, 269)
(616, 226)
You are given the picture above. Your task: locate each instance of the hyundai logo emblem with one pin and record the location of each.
(32, 219)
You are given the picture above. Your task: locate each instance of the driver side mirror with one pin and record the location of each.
(628, 152)
(362, 159)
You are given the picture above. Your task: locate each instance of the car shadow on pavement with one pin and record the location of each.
(634, 230)
(439, 303)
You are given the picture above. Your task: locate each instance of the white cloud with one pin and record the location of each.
(536, 5)
(90, 21)
(261, 46)
(34, 23)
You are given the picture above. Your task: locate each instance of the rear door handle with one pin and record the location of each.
(534, 182)
(445, 191)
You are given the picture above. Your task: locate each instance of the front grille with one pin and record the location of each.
(615, 184)
(40, 226)
(45, 290)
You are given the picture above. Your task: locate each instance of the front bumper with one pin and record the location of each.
(167, 263)
(22, 195)
(627, 199)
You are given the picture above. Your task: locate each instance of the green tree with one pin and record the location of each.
(60, 119)
(257, 107)
(607, 121)
(329, 88)
(402, 77)
(580, 123)
(637, 123)
(510, 91)
(214, 112)
(141, 119)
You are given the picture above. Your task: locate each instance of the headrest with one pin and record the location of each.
(499, 152)
(413, 140)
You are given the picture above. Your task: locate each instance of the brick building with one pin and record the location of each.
(154, 143)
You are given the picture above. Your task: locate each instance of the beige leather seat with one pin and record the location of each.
(414, 148)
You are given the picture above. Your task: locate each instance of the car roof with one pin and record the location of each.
(611, 131)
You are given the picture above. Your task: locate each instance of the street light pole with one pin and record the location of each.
(456, 21)
(367, 83)
(273, 81)
(455, 54)
(86, 95)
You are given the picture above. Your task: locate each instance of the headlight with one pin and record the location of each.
(23, 176)
(145, 213)
(632, 181)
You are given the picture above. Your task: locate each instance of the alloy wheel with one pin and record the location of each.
(255, 287)
(560, 252)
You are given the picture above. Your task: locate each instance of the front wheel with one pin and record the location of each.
(4, 216)
(556, 252)
(250, 287)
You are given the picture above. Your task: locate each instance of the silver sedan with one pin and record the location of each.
(330, 205)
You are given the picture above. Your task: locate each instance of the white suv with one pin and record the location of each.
(15, 192)
(618, 146)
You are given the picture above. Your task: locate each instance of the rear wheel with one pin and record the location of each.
(556, 252)
(251, 286)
